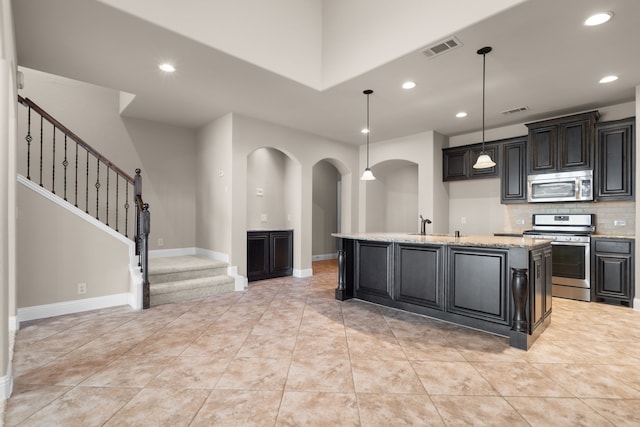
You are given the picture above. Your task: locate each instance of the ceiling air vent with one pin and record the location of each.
(442, 47)
(515, 110)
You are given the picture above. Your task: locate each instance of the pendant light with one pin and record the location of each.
(367, 175)
(484, 160)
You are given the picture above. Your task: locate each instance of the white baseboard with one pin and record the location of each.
(307, 272)
(14, 325)
(324, 257)
(6, 384)
(68, 307)
(636, 304)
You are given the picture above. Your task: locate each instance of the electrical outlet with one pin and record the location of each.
(463, 220)
(82, 288)
(160, 242)
(263, 218)
(520, 221)
(619, 223)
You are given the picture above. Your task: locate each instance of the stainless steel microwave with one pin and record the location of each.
(561, 187)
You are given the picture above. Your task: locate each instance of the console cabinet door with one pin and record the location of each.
(257, 255)
(615, 172)
(281, 253)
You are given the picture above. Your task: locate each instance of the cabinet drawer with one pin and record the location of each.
(613, 246)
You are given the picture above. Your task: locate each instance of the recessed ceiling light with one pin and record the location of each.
(408, 85)
(608, 79)
(461, 114)
(598, 18)
(167, 68)
(364, 130)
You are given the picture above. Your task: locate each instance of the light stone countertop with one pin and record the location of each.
(448, 239)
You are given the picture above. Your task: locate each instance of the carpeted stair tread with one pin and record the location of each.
(177, 264)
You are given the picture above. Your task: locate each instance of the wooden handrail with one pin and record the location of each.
(29, 103)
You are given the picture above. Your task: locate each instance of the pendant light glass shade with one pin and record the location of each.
(367, 175)
(484, 160)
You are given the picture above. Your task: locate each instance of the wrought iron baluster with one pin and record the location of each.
(53, 161)
(76, 204)
(86, 191)
(107, 219)
(97, 188)
(117, 197)
(29, 138)
(41, 138)
(126, 213)
(65, 163)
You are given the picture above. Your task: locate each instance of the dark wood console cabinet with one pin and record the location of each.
(613, 270)
(269, 254)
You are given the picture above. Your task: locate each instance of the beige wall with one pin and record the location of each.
(57, 250)
(304, 150)
(214, 186)
(8, 94)
(423, 149)
(166, 154)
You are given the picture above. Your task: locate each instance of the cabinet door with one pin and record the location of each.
(478, 284)
(615, 160)
(613, 276)
(455, 164)
(542, 149)
(419, 275)
(474, 153)
(281, 253)
(514, 174)
(374, 266)
(575, 145)
(548, 272)
(257, 255)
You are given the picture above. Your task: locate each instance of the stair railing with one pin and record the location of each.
(113, 189)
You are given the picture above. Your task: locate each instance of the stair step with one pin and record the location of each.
(181, 278)
(172, 269)
(162, 293)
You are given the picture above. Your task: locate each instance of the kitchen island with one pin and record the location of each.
(500, 285)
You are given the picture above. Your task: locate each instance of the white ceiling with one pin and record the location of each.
(543, 58)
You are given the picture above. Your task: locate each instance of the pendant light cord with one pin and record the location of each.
(484, 65)
(368, 129)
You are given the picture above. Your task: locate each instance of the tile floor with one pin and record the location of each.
(285, 353)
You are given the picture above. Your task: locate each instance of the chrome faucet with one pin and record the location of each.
(423, 224)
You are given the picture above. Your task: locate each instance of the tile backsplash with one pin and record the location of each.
(517, 218)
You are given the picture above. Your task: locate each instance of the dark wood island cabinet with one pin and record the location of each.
(496, 284)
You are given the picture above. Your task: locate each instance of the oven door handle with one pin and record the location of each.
(571, 243)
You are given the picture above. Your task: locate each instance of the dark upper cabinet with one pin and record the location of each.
(457, 162)
(615, 156)
(563, 144)
(513, 188)
(269, 254)
(613, 270)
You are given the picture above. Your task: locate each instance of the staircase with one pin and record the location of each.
(182, 278)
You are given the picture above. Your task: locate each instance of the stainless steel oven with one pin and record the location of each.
(571, 256)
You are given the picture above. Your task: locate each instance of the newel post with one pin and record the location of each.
(145, 226)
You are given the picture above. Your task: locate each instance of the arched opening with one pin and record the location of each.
(326, 213)
(392, 199)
